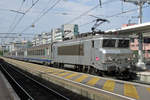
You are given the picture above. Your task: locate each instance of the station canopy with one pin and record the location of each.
(134, 29)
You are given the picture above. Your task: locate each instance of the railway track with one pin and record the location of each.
(26, 87)
(67, 79)
(104, 75)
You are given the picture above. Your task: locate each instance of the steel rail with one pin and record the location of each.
(40, 84)
(15, 84)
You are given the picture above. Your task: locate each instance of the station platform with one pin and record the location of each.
(6, 91)
(94, 87)
(144, 76)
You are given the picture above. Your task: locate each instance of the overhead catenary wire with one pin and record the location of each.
(15, 33)
(20, 19)
(86, 12)
(29, 9)
(35, 21)
(13, 28)
(9, 29)
(2, 9)
(114, 15)
(46, 11)
(38, 18)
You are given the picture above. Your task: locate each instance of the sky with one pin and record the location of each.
(64, 12)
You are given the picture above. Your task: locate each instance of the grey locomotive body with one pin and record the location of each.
(102, 52)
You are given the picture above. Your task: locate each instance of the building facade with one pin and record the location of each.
(70, 30)
(57, 35)
(134, 44)
(13, 46)
(43, 38)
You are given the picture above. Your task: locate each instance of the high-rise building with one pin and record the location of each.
(57, 35)
(70, 30)
(43, 38)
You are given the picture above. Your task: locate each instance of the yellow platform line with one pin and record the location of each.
(148, 89)
(81, 78)
(130, 91)
(45, 70)
(63, 74)
(57, 72)
(51, 71)
(109, 85)
(72, 75)
(93, 81)
(40, 68)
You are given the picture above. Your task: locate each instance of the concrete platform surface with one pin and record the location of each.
(144, 76)
(6, 91)
(88, 85)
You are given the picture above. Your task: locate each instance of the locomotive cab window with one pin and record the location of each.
(123, 43)
(109, 43)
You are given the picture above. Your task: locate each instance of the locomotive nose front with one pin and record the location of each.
(116, 54)
(117, 60)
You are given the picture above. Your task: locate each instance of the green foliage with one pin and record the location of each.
(1, 53)
(135, 53)
(135, 56)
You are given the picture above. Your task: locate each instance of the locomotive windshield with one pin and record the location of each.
(109, 43)
(123, 43)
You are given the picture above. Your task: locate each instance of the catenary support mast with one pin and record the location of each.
(140, 62)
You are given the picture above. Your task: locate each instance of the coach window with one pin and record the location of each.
(36, 52)
(40, 51)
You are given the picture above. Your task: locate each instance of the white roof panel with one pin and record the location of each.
(140, 28)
